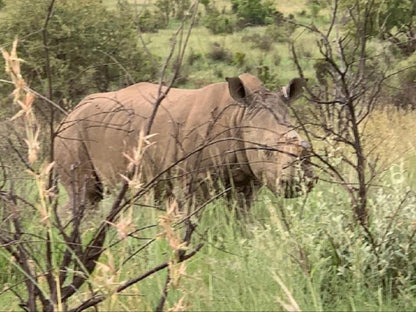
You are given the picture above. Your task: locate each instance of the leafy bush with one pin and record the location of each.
(218, 23)
(268, 77)
(90, 47)
(193, 57)
(219, 53)
(239, 59)
(150, 22)
(253, 12)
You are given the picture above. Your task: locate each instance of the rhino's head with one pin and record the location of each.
(275, 152)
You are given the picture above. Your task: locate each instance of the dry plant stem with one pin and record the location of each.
(23, 255)
(53, 283)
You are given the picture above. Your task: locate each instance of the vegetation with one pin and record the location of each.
(85, 48)
(348, 245)
(253, 12)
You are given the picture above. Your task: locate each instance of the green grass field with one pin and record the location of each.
(304, 254)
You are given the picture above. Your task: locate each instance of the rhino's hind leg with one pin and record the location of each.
(94, 189)
(241, 198)
(84, 189)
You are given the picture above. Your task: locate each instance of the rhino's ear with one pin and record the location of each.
(237, 89)
(294, 89)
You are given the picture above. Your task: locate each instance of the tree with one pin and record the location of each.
(90, 48)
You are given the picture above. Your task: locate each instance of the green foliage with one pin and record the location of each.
(395, 14)
(168, 8)
(164, 8)
(239, 58)
(217, 22)
(181, 8)
(315, 6)
(219, 53)
(90, 47)
(193, 57)
(310, 244)
(389, 20)
(269, 78)
(253, 12)
(150, 22)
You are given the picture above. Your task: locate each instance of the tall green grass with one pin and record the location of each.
(317, 252)
(314, 249)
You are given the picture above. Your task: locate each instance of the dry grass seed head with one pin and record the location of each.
(24, 99)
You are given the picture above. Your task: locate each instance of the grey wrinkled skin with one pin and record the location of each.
(231, 134)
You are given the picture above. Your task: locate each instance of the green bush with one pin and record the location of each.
(253, 12)
(239, 58)
(150, 22)
(193, 57)
(90, 47)
(266, 75)
(218, 23)
(219, 53)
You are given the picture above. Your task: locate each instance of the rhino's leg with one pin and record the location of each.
(83, 186)
(242, 196)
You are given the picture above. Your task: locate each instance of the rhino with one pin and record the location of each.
(234, 135)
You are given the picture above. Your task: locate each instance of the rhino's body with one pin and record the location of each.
(235, 133)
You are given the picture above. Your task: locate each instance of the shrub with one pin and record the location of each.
(193, 57)
(219, 53)
(253, 12)
(268, 77)
(90, 47)
(239, 59)
(150, 22)
(216, 22)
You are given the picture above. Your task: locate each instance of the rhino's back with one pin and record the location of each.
(106, 125)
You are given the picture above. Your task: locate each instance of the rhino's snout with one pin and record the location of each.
(290, 188)
(300, 178)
